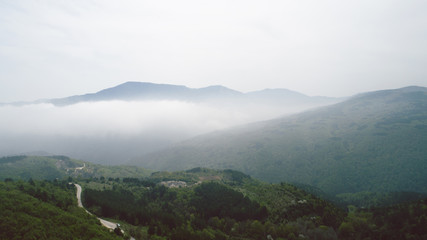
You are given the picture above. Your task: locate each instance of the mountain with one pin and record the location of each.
(374, 141)
(139, 91)
(129, 91)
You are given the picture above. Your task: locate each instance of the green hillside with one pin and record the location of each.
(45, 210)
(36, 167)
(372, 142)
(53, 167)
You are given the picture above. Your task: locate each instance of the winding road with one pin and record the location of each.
(105, 223)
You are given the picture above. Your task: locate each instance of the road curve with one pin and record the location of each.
(105, 223)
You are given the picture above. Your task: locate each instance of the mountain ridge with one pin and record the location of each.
(137, 91)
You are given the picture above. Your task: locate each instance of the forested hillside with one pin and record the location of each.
(211, 204)
(372, 142)
(45, 210)
(35, 167)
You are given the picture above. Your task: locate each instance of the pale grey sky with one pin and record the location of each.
(59, 48)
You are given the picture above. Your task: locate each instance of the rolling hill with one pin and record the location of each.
(375, 141)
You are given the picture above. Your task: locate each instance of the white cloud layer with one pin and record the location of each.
(113, 131)
(118, 118)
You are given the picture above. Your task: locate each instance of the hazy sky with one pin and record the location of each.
(332, 47)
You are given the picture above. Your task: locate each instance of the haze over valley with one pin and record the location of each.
(117, 124)
(371, 142)
(213, 120)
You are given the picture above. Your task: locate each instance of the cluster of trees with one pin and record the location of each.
(401, 221)
(45, 210)
(216, 200)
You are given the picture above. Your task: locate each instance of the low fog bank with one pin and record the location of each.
(112, 132)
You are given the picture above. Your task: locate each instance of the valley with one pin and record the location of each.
(350, 170)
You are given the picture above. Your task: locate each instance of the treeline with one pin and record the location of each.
(45, 210)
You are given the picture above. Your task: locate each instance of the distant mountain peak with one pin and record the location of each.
(277, 91)
(218, 87)
(145, 84)
(135, 91)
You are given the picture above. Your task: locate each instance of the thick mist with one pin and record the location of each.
(112, 132)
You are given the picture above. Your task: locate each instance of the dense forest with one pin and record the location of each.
(230, 205)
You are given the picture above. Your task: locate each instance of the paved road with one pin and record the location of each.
(79, 194)
(106, 223)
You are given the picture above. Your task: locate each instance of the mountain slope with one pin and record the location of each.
(372, 142)
(212, 204)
